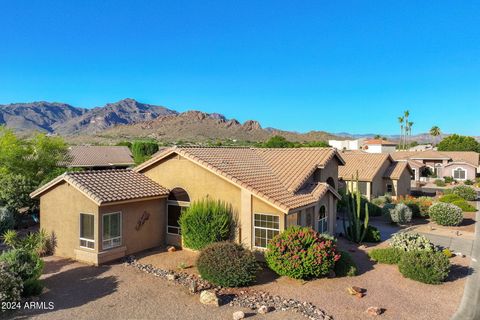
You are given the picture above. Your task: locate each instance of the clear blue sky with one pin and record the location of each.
(298, 65)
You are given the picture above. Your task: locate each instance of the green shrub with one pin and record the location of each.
(372, 234)
(440, 183)
(345, 266)
(7, 220)
(448, 179)
(468, 182)
(424, 266)
(25, 264)
(449, 198)
(466, 192)
(386, 209)
(446, 214)
(205, 222)
(10, 285)
(424, 204)
(35, 241)
(301, 253)
(411, 242)
(464, 205)
(401, 214)
(386, 255)
(382, 200)
(32, 287)
(227, 264)
(143, 150)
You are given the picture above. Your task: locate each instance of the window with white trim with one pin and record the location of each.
(178, 201)
(87, 230)
(459, 174)
(389, 188)
(111, 230)
(266, 226)
(323, 220)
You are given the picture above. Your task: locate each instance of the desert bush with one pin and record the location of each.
(419, 206)
(39, 242)
(449, 198)
(446, 214)
(440, 183)
(401, 214)
(26, 265)
(301, 253)
(382, 200)
(386, 255)
(448, 179)
(464, 205)
(411, 242)
(10, 285)
(372, 234)
(424, 204)
(466, 192)
(205, 222)
(424, 266)
(345, 266)
(468, 182)
(386, 209)
(7, 220)
(227, 264)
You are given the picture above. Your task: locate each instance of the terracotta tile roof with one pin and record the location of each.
(455, 156)
(277, 175)
(367, 165)
(100, 156)
(380, 141)
(396, 169)
(104, 186)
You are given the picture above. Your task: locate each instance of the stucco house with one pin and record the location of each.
(461, 165)
(100, 157)
(98, 216)
(378, 146)
(378, 174)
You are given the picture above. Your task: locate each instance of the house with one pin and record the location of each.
(422, 147)
(346, 144)
(379, 146)
(461, 165)
(100, 157)
(378, 174)
(98, 216)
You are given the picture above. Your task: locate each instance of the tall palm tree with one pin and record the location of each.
(406, 114)
(401, 120)
(410, 125)
(435, 132)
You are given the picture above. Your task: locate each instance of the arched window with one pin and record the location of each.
(323, 220)
(459, 174)
(331, 182)
(178, 201)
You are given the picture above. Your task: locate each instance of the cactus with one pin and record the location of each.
(356, 229)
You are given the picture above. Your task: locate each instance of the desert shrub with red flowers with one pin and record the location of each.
(302, 253)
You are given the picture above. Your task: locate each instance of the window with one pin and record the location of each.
(414, 176)
(459, 174)
(389, 188)
(438, 170)
(323, 220)
(266, 227)
(178, 201)
(362, 187)
(112, 230)
(87, 227)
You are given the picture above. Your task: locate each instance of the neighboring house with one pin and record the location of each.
(379, 146)
(100, 157)
(98, 216)
(422, 147)
(378, 174)
(345, 144)
(461, 165)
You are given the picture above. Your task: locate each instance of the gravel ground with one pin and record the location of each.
(120, 292)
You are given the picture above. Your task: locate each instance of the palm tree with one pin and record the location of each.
(410, 125)
(435, 132)
(406, 113)
(401, 120)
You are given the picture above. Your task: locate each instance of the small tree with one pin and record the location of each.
(457, 142)
(143, 150)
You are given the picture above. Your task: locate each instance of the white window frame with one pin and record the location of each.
(112, 244)
(322, 221)
(415, 174)
(181, 204)
(80, 232)
(263, 228)
(461, 168)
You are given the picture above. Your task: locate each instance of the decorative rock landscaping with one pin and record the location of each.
(254, 300)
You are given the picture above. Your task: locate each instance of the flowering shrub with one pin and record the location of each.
(446, 214)
(10, 285)
(419, 206)
(466, 192)
(411, 241)
(301, 253)
(401, 214)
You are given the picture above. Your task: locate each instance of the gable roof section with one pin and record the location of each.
(106, 186)
(455, 156)
(396, 169)
(276, 175)
(100, 156)
(379, 142)
(367, 165)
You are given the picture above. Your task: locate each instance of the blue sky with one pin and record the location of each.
(298, 65)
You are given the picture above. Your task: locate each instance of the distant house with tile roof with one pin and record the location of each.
(99, 216)
(378, 146)
(461, 165)
(100, 157)
(378, 174)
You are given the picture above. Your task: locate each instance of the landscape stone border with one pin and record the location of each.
(245, 298)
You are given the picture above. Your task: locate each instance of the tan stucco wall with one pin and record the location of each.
(151, 233)
(60, 210)
(378, 185)
(403, 185)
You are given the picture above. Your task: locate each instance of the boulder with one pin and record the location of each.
(171, 249)
(237, 315)
(209, 298)
(263, 310)
(374, 311)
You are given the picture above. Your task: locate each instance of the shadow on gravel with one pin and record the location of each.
(458, 272)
